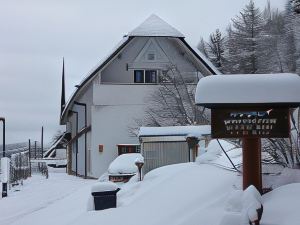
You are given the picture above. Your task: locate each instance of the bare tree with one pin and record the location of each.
(173, 103)
(286, 151)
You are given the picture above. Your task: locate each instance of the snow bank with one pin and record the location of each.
(177, 194)
(214, 154)
(195, 131)
(241, 207)
(249, 88)
(125, 164)
(281, 206)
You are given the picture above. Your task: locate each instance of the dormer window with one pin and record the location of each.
(145, 76)
(151, 56)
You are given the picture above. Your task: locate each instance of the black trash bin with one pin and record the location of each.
(105, 198)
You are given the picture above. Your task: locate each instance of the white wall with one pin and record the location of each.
(115, 107)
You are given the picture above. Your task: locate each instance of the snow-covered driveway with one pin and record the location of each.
(40, 200)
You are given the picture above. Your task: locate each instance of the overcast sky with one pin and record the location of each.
(36, 34)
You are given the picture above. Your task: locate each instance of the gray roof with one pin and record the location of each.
(154, 26)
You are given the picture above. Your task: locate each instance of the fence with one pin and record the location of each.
(21, 168)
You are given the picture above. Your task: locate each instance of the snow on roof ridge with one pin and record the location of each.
(155, 26)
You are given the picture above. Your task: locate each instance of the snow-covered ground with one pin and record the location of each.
(181, 194)
(56, 200)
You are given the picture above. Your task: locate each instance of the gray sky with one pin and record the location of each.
(35, 35)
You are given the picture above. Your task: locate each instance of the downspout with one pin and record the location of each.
(76, 153)
(85, 137)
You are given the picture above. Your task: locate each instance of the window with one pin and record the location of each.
(145, 76)
(139, 76)
(151, 56)
(150, 76)
(124, 149)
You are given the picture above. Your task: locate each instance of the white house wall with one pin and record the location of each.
(114, 110)
(85, 98)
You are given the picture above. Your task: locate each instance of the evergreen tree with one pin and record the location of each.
(246, 31)
(215, 48)
(290, 38)
(202, 47)
(271, 42)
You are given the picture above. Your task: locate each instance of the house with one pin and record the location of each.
(109, 97)
(163, 146)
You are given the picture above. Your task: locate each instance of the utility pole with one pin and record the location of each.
(3, 133)
(42, 142)
(4, 163)
(29, 155)
(35, 149)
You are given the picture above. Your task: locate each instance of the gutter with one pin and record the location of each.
(85, 136)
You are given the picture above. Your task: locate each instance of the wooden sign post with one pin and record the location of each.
(251, 124)
(250, 107)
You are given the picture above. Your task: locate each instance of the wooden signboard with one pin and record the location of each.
(250, 123)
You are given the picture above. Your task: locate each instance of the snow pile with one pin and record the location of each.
(281, 206)
(214, 154)
(249, 88)
(177, 194)
(104, 186)
(188, 131)
(242, 207)
(125, 164)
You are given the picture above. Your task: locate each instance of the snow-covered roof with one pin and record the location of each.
(124, 164)
(154, 26)
(196, 131)
(248, 89)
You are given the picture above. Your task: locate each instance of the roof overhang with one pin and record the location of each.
(91, 75)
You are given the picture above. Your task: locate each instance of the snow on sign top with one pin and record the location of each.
(196, 131)
(249, 89)
(154, 26)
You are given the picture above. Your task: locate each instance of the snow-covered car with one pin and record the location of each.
(123, 167)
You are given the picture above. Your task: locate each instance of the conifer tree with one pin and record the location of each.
(246, 31)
